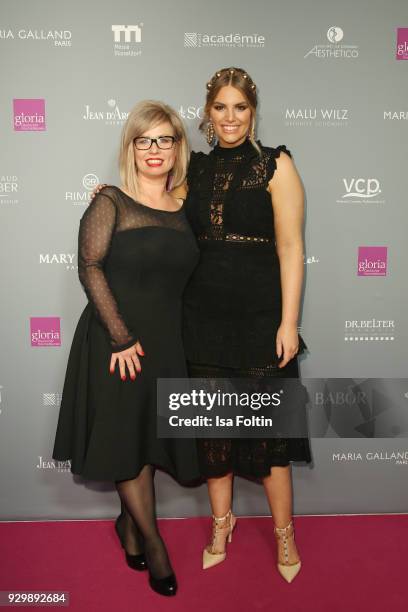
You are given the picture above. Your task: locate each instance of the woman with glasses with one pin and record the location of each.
(136, 253)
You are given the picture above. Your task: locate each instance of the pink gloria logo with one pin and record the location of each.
(29, 115)
(45, 331)
(372, 261)
(402, 44)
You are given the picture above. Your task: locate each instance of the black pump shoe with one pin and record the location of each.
(136, 562)
(164, 586)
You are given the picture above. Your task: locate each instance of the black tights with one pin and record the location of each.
(141, 532)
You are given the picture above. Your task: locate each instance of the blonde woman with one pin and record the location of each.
(136, 252)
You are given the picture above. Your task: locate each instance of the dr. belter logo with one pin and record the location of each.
(127, 40)
(45, 331)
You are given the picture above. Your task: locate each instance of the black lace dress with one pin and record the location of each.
(232, 303)
(134, 263)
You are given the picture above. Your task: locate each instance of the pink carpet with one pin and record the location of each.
(350, 564)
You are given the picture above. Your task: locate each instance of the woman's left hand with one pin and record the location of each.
(287, 343)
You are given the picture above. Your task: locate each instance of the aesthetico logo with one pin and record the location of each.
(334, 50)
(372, 261)
(402, 44)
(45, 331)
(193, 39)
(29, 115)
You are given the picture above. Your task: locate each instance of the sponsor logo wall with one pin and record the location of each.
(329, 89)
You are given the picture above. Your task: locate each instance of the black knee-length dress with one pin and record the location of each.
(233, 302)
(134, 262)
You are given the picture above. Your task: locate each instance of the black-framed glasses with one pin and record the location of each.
(163, 142)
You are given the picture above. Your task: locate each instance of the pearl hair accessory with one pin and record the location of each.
(231, 71)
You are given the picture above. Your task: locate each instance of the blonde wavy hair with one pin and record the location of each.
(145, 115)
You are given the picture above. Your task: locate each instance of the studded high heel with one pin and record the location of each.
(287, 570)
(222, 528)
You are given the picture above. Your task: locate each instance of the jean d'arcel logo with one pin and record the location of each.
(333, 50)
(231, 39)
(113, 116)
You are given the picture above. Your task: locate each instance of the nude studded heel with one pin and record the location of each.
(222, 529)
(287, 570)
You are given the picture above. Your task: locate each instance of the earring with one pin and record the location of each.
(210, 133)
(251, 133)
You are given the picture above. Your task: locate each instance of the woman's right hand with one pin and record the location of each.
(130, 358)
(96, 190)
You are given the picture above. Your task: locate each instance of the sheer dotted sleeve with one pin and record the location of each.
(95, 233)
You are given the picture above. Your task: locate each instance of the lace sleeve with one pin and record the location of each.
(95, 233)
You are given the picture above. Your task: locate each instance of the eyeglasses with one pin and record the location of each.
(163, 142)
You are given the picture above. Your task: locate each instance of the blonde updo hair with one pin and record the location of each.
(240, 79)
(145, 115)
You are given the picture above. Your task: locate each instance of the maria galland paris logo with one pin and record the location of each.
(333, 50)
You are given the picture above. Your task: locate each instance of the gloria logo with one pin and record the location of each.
(81, 198)
(113, 116)
(29, 115)
(333, 50)
(372, 261)
(126, 40)
(402, 44)
(316, 117)
(194, 39)
(45, 331)
(8, 189)
(361, 191)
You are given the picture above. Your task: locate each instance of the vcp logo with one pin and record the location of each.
(361, 190)
(191, 112)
